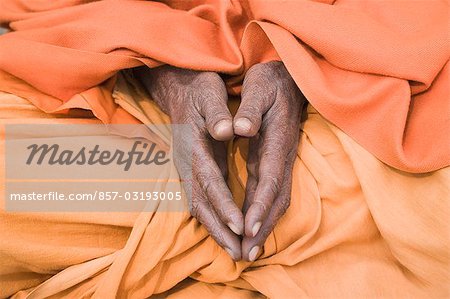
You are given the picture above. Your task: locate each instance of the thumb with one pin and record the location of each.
(213, 107)
(257, 97)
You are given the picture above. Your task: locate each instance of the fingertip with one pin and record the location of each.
(234, 255)
(252, 254)
(243, 127)
(255, 228)
(251, 249)
(243, 123)
(237, 229)
(253, 220)
(223, 130)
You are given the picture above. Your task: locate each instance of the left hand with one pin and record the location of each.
(199, 100)
(269, 114)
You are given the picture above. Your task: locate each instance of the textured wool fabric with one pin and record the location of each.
(356, 228)
(376, 69)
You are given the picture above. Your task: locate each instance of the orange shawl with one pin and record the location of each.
(376, 69)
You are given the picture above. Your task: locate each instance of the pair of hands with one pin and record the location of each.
(269, 114)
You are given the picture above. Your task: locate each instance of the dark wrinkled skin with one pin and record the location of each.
(269, 114)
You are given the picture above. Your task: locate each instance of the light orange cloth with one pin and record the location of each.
(376, 69)
(356, 228)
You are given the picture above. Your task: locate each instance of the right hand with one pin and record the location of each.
(200, 100)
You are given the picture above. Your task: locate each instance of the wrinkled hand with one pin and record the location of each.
(200, 100)
(269, 113)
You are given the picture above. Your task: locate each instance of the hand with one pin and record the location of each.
(269, 113)
(200, 100)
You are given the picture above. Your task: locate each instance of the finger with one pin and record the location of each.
(251, 245)
(250, 190)
(275, 148)
(212, 105)
(252, 172)
(256, 98)
(199, 205)
(207, 173)
(202, 210)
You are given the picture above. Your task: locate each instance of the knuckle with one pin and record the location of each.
(229, 213)
(258, 81)
(258, 86)
(209, 85)
(189, 116)
(280, 79)
(204, 89)
(251, 112)
(199, 102)
(281, 110)
(280, 140)
(271, 183)
(263, 206)
(208, 181)
(217, 116)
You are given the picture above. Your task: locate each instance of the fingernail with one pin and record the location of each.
(253, 252)
(243, 124)
(234, 228)
(222, 126)
(255, 228)
(230, 253)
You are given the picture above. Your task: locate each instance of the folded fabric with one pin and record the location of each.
(355, 228)
(376, 69)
